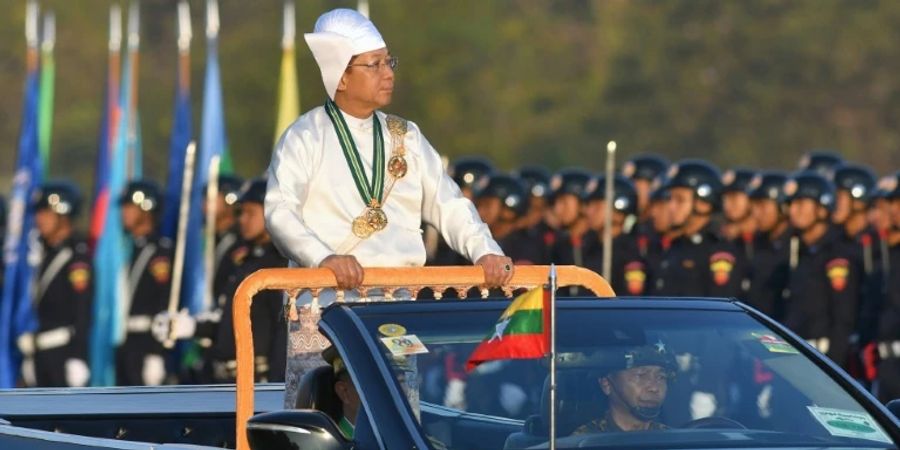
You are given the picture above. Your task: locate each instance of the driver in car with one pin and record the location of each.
(635, 392)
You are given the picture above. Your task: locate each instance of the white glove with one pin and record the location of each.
(28, 374)
(179, 326)
(77, 372)
(25, 342)
(154, 371)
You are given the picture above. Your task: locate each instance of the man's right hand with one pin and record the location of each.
(347, 271)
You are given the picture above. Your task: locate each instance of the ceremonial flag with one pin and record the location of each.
(182, 129)
(113, 251)
(288, 94)
(107, 128)
(16, 316)
(522, 332)
(48, 75)
(212, 142)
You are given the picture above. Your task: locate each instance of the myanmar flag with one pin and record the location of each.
(522, 332)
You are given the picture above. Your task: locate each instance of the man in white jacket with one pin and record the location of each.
(349, 186)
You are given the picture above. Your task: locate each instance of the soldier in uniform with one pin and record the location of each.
(644, 170)
(226, 228)
(254, 251)
(636, 388)
(823, 287)
(56, 353)
(887, 386)
(468, 173)
(567, 188)
(539, 220)
(629, 271)
(698, 262)
(769, 264)
(502, 203)
(140, 360)
(740, 225)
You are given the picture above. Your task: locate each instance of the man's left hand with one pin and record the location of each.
(498, 270)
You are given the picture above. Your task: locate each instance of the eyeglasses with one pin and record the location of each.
(390, 61)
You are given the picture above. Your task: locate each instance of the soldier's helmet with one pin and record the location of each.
(253, 191)
(737, 180)
(648, 167)
(469, 172)
(821, 161)
(61, 197)
(536, 180)
(624, 194)
(811, 185)
(700, 176)
(768, 186)
(894, 194)
(572, 181)
(230, 188)
(858, 180)
(509, 190)
(145, 194)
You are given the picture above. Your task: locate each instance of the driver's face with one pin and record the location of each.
(638, 387)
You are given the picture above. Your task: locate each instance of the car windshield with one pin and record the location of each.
(694, 377)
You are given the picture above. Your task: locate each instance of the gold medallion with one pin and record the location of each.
(361, 227)
(397, 166)
(376, 218)
(396, 126)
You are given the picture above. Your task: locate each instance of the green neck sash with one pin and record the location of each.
(369, 192)
(346, 428)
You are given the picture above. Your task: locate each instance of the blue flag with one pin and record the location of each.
(212, 142)
(16, 315)
(182, 131)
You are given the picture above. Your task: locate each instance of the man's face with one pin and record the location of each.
(47, 222)
(372, 87)
(842, 206)
(766, 213)
(251, 221)
(639, 391)
(680, 206)
(659, 213)
(131, 216)
(895, 213)
(642, 187)
(346, 391)
(880, 214)
(489, 209)
(735, 206)
(566, 209)
(803, 213)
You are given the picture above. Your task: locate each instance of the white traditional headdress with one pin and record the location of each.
(338, 36)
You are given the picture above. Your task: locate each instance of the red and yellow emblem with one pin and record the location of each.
(238, 255)
(80, 276)
(721, 264)
(837, 270)
(161, 269)
(635, 276)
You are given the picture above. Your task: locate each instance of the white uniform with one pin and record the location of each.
(312, 200)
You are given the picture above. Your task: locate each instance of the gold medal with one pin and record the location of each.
(361, 227)
(396, 126)
(376, 218)
(397, 166)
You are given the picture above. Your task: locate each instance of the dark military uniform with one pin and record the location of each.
(769, 274)
(524, 247)
(607, 424)
(629, 270)
(269, 332)
(823, 296)
(149, 283)
(702, 265)
(888, 338)
(62, 304)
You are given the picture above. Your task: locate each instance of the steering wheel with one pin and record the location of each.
(713, 422)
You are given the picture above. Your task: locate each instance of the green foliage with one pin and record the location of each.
(748, 82)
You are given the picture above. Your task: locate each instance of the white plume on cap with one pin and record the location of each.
(338, 36)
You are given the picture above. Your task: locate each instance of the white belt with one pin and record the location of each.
(889, 349)
(821, 344)
(139, 324)
(55, 338)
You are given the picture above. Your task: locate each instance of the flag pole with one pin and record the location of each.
(363, 7)
(209, 250)
(178, 264)
(553, 356)
(607, 215)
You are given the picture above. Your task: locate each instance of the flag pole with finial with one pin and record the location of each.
(553, 287)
